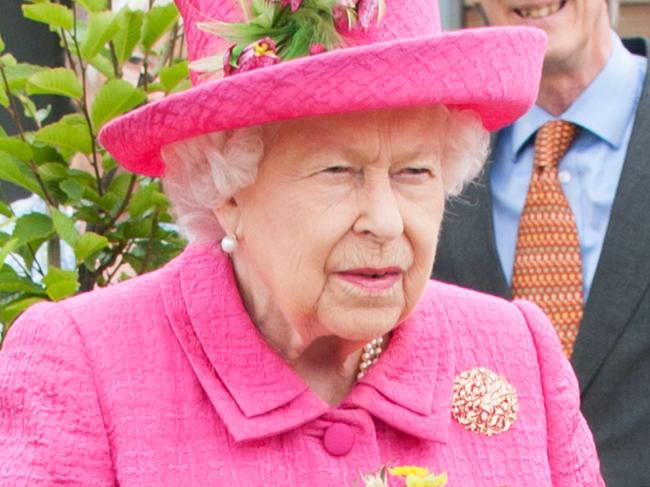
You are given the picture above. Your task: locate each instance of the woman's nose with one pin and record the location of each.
(379, 213)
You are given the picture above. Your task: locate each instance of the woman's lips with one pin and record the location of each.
(371, 279)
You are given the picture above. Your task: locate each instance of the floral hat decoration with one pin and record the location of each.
(260, 61)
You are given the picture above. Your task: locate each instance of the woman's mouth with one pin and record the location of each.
(372, 279)
(541, 11)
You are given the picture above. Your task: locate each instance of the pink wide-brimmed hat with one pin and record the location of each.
(401, 60)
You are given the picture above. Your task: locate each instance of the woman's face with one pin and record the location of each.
(338, 233)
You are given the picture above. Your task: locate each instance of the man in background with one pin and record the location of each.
(561, 216)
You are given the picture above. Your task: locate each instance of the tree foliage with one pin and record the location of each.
(92, 223)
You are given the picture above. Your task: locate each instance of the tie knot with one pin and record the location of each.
(552, 141)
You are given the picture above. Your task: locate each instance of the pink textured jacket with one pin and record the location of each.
(164, 381)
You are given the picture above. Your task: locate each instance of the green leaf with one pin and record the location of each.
(157, 21)
(33, 226)
(101, 27)
(60, 284)
(93, 5)
(70, 134)
(64, 226)
(142, 201)
(120, 185)
(8, 248)
(17, 148)
(17, 172)
(53, 171)
(4, 99)
(54, 15)
(2, 45)
(11, 311)
(18, 74)
(73, 189)
(102, 64)
(171, 76)
(130, 24)
(57, 81)
(12, 283)
(5, 210)
(88, 244)
(113, 99)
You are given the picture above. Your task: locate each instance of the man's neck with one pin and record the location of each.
(563, 81)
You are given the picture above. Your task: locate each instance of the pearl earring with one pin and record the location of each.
(229, 244)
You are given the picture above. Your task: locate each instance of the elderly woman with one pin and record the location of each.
(298, 341)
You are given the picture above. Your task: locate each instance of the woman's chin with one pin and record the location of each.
(363, 325)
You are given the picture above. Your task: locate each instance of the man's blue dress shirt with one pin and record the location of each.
(590, 170)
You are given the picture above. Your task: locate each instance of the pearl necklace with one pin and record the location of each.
(371, 352)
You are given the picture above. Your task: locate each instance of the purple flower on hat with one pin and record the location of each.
(259, 54)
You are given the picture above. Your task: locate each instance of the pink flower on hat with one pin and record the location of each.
(259, 54)
(317, 49)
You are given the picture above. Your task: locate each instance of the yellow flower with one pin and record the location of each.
(407, 470)
(430, 480)
(419, 476)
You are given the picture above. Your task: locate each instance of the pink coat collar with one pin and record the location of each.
(258, 395)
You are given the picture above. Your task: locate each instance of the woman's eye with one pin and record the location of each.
(338, 169)
(415, 171)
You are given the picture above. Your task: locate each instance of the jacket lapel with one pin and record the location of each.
(623, 273)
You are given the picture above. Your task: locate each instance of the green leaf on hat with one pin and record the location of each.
(113, 99)
(88, 244)
(64, 226)
(57, 81)
(156, 22)
(54, 15)
(101, 28)
(33, 226)
(93, 5)
(60, 284)
(130, 27)
(69, 134)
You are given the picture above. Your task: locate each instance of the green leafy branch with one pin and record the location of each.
(97, 224)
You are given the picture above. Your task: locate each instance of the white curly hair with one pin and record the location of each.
(205, 171)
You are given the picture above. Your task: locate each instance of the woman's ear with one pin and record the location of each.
(229, 215)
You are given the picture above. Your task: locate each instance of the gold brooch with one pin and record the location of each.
(484, 401)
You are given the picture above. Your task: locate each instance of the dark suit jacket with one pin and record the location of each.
(612, 351)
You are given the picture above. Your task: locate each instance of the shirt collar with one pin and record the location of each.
(596, 109)
(258, 395)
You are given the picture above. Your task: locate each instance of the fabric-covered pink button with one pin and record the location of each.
(338, 439)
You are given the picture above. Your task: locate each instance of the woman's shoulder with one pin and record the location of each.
(496, 329)
(473, 310)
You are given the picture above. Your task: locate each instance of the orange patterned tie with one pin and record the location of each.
(548, 263)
